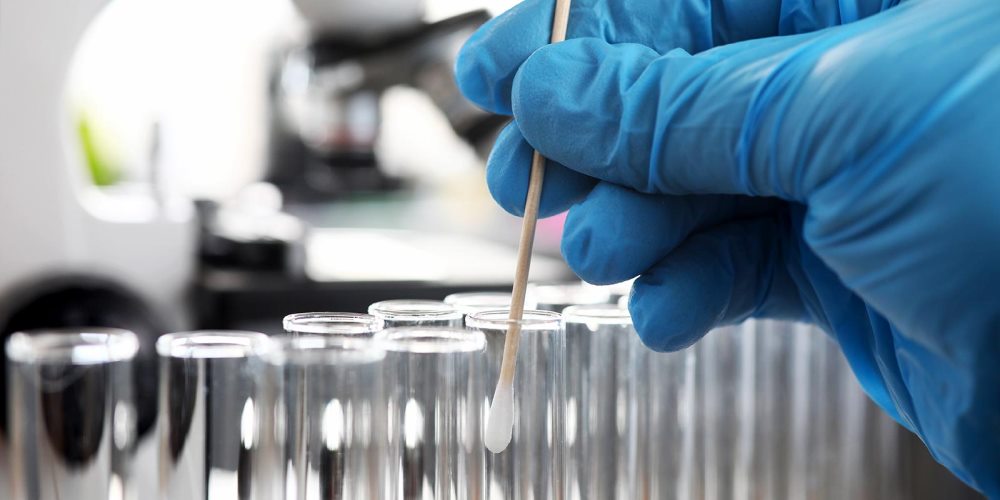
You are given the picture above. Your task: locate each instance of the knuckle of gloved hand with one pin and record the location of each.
(545, 76)
(530, 90)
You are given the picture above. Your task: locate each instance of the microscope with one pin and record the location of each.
(326, 114)
(325, 93)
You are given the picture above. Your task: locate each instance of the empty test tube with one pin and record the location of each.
(821, 414)
(604, 384)
(436, 391)
(667, 411)
(406, 312)
(211, 400)
(298, 376)
(531, 466)
(725, 417)
(468, 303)
(669, 466)
(71, 414)
(330, 416)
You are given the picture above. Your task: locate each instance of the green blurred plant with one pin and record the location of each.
(104, 169)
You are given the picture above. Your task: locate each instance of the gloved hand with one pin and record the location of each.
(846, 175)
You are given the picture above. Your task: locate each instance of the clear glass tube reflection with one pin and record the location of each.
(405, 312)
(211, 395)
(330, 414)
(71, 413)
(332, 323)
(531, 466)
(435, 383)
(468, 303)
(605, 365)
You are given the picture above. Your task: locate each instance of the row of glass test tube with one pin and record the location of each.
(392, 404)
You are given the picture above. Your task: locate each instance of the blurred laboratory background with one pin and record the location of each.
(171, 165)
(230, 161)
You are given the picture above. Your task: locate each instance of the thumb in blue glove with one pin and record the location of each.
(849, 176)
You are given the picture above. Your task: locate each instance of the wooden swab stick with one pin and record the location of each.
(500, 422)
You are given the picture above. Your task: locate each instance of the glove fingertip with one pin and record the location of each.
(587, 253)
(489, 59)
(475, 75)
(503, 193)
(664, 319)
(509, 170)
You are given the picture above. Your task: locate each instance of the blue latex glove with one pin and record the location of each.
(836, 162)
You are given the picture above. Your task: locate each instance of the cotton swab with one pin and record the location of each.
(500, 422)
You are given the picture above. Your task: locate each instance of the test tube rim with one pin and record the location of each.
(211, 344)
(441, 311)
(531, 320)
(332, 323)
(459, 302)
(601, 314)
(593, 294)
(309, 349)
(410, 340)
(77, 346)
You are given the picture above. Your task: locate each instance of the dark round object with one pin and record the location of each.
(80, 302)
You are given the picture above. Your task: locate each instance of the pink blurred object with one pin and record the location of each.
(548, 233)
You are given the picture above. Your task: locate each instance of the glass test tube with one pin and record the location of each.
(332, 323)
(436, 389)
(558, 296)
(298, 376)
(773, 406)
(724, 426)
(531, 466)
(468, 303)
(71, 413)
(795, 437)
(330, 416)
(211, 400)
(406, 312)
(605, 364)
(665, 423)
(828, 421)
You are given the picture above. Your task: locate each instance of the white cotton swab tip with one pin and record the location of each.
(500, 422)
